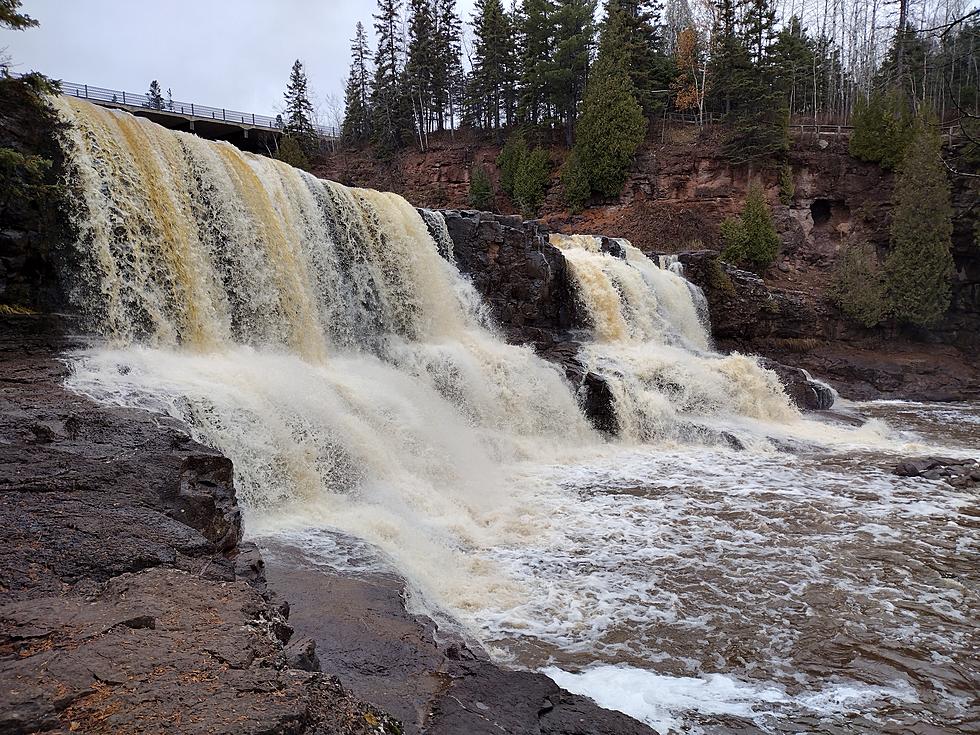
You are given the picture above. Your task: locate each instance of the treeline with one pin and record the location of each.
(752, 61)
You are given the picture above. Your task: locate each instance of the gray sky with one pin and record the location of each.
(223, 53)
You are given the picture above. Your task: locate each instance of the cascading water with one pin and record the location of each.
(652, 345)
(314, 334)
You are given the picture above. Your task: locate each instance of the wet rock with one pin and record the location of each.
(807, 394)
(956, 472)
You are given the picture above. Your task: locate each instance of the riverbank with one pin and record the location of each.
(130, 603)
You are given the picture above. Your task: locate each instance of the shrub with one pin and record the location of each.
(575, 183)
(532, 181)
(509, 161)
(858, 286)
(481, 189)
(882, 129)
(920, 263)
(751, 238)
(787, 186)
(291, 152)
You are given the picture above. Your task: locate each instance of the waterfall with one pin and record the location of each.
(313, 333)
(651, 343)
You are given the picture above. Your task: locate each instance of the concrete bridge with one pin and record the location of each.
(244, 129)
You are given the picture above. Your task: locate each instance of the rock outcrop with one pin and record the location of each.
(127, 603)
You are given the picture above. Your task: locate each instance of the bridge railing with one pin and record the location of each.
(102, 95)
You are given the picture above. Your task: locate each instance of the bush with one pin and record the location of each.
(575, 183)
(532, 181)
(787, 186)
(920, 264)
(858, 287)
(481, 189)
(751, 239)
(509, 161)
(882, 129)
(291, 152)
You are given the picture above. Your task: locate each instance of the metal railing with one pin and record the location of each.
(119, 98)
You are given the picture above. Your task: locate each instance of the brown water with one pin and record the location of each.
(811, 591)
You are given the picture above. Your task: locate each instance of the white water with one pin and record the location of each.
(314, 334)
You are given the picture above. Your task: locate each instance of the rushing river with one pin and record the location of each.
(315, 335)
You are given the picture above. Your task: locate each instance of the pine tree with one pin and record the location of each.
(612, 125)
(920, 264)
(535, 24)
(883, 127)
(420, 68)
(448, 69)
(491, 84)
(636, 22)
(575, 185)
(357, 110)
(569, 68)
(751, 239)
(793, 60)
(532, 180)
(154, 96)
(509, 161)
(291, 152)
(299, 111)
(391, 119)
(481, 189)
(858, 287)
(11, 17)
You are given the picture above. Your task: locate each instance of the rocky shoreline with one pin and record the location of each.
(129, 603)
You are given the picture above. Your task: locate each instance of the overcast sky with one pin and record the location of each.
(223, 53)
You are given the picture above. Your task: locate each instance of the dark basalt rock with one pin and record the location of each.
(806, 393)
(956, 472)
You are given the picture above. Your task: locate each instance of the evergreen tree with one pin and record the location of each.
(291, 152)
(299, 111)
(391, 118)
(751, 239)
(612, 125)
(448, 70)
(793, 62)
(883, 127)
(575, 185)
(11, 17)
(510, 159)
(531, 182)
(357, 110)
(569, 68)
(729, 57)
(535, 24)
(858, 287)
(420, 68)
(920, 264)
(491, 84)
(481, 189)
(636, 23)
(154, 96)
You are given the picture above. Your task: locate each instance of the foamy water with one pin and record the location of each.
(315, 335)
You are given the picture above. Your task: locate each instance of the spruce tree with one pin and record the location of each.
(751, 239)
(298, 115)
(858, 286)
(491, 83)
(532, 180)
(637, 23)
(420, 67)
(11, 17)
(510, 159)
(575, 185)
(154, 96)
(883, 126)
(481, 189)
(920, 264)
(448, 69)
(612, 125)
(291, 152)
(574, 39)
(535, 25)
(391, 108)
(357, 110)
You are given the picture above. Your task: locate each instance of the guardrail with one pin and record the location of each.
(119, 98)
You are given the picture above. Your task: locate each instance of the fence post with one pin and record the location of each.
(222, 113)
(253, 118)
(86, 91)
(192, 109)
(124, 98)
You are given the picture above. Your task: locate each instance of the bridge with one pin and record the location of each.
(245, 129)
